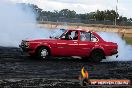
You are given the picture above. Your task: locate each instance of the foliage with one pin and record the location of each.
(106, 15)
(128, 40)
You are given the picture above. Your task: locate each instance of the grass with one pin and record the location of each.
(128, 40)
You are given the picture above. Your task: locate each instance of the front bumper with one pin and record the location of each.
(24, 48)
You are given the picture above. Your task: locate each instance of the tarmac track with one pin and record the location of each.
(18, 70)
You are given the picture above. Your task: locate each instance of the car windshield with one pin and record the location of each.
(57, 33)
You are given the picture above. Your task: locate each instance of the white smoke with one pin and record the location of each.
(17, 24)
(125, 50)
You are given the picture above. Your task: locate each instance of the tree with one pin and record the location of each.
(67, 13)
(98, 15)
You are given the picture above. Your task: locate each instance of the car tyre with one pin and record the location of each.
(43, 53)
(96, 56)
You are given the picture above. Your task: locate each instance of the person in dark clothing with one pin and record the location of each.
(67, 36)
(76, 36)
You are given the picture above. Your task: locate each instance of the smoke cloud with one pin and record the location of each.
(17, 24)
(125, 50)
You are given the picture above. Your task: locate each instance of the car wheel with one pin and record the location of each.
(96, 56)
(43, 53)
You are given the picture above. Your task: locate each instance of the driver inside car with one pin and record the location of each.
(67, 36)
(76, 36)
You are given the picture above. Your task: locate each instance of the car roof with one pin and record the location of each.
(79, 30)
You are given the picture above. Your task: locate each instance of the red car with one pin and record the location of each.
(86, 44)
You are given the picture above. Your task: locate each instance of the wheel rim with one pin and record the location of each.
(44, 53)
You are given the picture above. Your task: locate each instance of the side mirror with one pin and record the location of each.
(50, 37)
(56, 37)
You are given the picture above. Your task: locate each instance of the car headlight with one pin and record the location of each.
(25, 43)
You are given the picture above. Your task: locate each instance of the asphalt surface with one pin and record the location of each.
(18, 70)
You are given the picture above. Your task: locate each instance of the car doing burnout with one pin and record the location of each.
(86, 44)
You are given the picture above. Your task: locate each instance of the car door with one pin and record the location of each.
(85, 44)
(67, 47)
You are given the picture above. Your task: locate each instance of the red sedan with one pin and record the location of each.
(86, 44)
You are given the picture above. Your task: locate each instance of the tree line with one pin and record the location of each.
(106, 15)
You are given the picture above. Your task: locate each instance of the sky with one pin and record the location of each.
(83, 6)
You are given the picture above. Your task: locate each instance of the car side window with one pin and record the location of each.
(88, 36)
(72, 34)
(93, 38)
(69, 35)
(85, 36)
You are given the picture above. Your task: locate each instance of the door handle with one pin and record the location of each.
(75, 42)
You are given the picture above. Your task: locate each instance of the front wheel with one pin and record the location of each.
(43, 53)
(97, 56)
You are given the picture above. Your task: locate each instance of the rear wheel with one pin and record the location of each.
(97, 56)
(43, 53)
